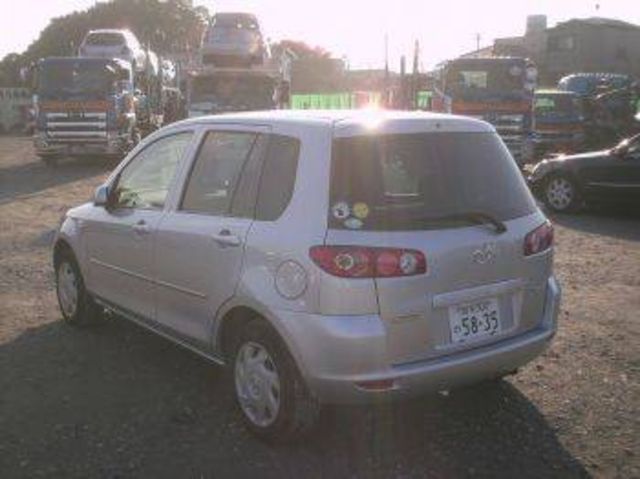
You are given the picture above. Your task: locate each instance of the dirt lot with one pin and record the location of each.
(118, 402)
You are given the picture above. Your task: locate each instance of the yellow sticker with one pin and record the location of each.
(361, 210)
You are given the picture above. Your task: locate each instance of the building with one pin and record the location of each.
(14, 109)
(578, 45)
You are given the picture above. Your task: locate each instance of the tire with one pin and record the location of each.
(273, 400)
(560, 194)
(77, 306)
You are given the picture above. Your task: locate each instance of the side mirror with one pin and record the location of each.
(102, 196)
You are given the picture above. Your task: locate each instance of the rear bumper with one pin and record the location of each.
(335, 353)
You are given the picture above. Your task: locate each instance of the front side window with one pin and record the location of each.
(216, 172)
(146, 180)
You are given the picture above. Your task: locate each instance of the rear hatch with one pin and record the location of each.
(458, 199)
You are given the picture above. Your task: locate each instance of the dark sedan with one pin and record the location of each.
(567, 183)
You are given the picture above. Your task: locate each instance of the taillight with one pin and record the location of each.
(539, 240)
(366, 262)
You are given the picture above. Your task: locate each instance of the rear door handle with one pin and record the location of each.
(225, 238)
(141, 228)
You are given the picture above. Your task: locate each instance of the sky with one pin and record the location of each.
(356, 29)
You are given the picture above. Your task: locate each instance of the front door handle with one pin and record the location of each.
(141, 228)
(225, 238)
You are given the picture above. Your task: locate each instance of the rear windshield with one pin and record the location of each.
(105, 39)
(415, 181)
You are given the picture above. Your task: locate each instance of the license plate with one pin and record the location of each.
(473, 321)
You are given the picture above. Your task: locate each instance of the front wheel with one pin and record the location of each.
(270, 393)
(561, 194)
(76, 304)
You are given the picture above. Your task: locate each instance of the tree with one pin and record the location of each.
(167, 27)
(302, 50)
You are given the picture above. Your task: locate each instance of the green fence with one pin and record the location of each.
(345, 101)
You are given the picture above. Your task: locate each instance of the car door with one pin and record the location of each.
(630, 172)
(200, 243)
(120, 237)
(615, 176)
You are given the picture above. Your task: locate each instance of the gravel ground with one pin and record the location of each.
(116, 401)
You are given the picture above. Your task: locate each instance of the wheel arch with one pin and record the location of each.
(60, 247)
(235, 317)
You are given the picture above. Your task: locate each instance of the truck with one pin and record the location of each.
(84, 106)
(212, 90)
(95, 106)
(559, 122)
(498, 90)
(610, 105)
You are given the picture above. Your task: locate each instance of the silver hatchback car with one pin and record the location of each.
(325, 257)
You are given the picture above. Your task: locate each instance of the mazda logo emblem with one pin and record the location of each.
(485, 254)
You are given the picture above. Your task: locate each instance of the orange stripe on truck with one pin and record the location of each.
(73, 106)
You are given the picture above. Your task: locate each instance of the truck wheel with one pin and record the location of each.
(274, 401)
(561, 194)
(76, 304)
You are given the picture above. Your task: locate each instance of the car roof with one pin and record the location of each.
(352, 122)
(235, 15)
(110, 30)
(85, 61)
(555, 92)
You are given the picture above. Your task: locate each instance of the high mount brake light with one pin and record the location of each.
(367, 262)
(539, 240)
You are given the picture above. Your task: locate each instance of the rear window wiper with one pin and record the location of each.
(475, 217)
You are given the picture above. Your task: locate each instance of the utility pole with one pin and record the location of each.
(386, 96)
(414, 79)
(477, 42)
(403, 83)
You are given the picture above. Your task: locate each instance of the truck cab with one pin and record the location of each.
(559, 122)
(84, 106)
(212, 90)
(498, 90)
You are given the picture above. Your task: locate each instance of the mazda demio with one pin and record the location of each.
(324, 257)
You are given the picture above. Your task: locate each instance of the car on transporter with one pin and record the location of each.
(324, 257)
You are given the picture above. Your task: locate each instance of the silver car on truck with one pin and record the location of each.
(324, 257)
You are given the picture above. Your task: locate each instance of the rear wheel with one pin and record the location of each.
(561, 194)
(271, 395)
(76, 304)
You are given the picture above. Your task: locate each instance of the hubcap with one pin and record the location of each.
(560, 193)
(67, 289)
(257, 384)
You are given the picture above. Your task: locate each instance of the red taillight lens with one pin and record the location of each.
(364, 262)
(539, 240)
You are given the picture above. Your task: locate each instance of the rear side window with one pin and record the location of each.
(415, 181)
(278, 177)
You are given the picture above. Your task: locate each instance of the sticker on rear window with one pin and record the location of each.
(361, 210)
(353, 224)
(341, 211)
